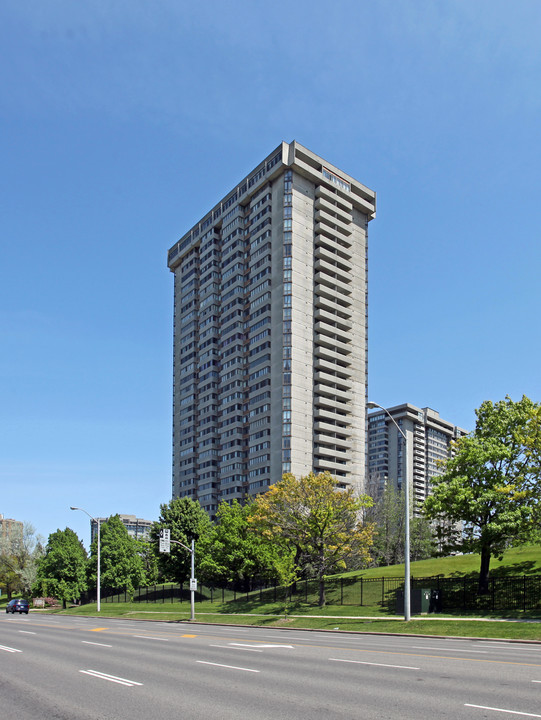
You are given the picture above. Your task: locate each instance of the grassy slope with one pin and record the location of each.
(524, 560)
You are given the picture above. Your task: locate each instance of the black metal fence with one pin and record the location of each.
(456, 594)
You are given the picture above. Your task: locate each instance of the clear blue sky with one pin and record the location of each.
(123, 121)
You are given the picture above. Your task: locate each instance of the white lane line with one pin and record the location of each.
(492, 643)
(440, 649)
(262, 646)
(230, 667)
(361, 662)
(27, 632)
(111, 678)
(9, 649)
(284, 637)
(512, 712)
(148, 637)
(228, 647)
(537, 681)
(87, 642)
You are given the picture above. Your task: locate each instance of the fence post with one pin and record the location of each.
(382, 591)
(341, 591)
(361, 592)
(524, 593)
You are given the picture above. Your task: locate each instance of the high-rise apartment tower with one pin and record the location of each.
(270, 332)
(429, 446)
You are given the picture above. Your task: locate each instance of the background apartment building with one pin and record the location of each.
(11, 529)
(429, 445)
(137, 527)
(270, 331)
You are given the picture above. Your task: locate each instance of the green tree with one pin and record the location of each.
(232, 551)
(388, 515)
(186, 520)
(319, 520)
(62, 570)
(149, 559)
(492, 482)
(19, 555)
(120, 563)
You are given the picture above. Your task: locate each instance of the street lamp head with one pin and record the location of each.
(372, 405)
(73, 508)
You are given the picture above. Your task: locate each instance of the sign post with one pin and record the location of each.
(165, 547)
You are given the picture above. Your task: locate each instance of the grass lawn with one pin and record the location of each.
(315, 618)
(524, 560)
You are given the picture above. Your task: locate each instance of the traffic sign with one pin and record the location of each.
(165, 540)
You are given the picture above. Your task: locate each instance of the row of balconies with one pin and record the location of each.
(334, 198)
(334, 223)
(341, 247)
(334, 255)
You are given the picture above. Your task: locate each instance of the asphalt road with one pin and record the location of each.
(69, 668)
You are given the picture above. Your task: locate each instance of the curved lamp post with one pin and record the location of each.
(407, 580)
(98, 589)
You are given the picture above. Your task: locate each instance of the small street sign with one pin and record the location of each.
(165, 540)
(193, 584)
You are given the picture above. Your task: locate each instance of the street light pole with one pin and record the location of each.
(192, 578)
(98, 573)
(407, 579)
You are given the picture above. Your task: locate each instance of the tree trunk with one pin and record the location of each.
(484, 571)
(321, 575)
(321, 591)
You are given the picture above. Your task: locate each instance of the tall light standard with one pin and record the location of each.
(98, 577)
(407, 580)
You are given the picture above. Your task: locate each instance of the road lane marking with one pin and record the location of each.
(512, 712)
(88, 642)
(362, 662)
(27, 632)
(110, 678)
(439, 649)
(9, 649)
(190, 636)
(230, 667)
(262, 646)
(228, 647)
(98, 629)
(149, 637)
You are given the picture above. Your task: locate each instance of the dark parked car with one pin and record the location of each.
(17, 605)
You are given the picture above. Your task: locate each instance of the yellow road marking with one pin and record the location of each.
(98, 629)
(188, 636)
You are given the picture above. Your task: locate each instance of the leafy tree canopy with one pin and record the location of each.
(492, 483)
(186, 519)
(233, 550)
(19, 555)
(321, 521)
(121, 564)
(388, 516)
(62, 569)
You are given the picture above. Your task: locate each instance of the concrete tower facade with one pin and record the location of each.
(270, 332)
